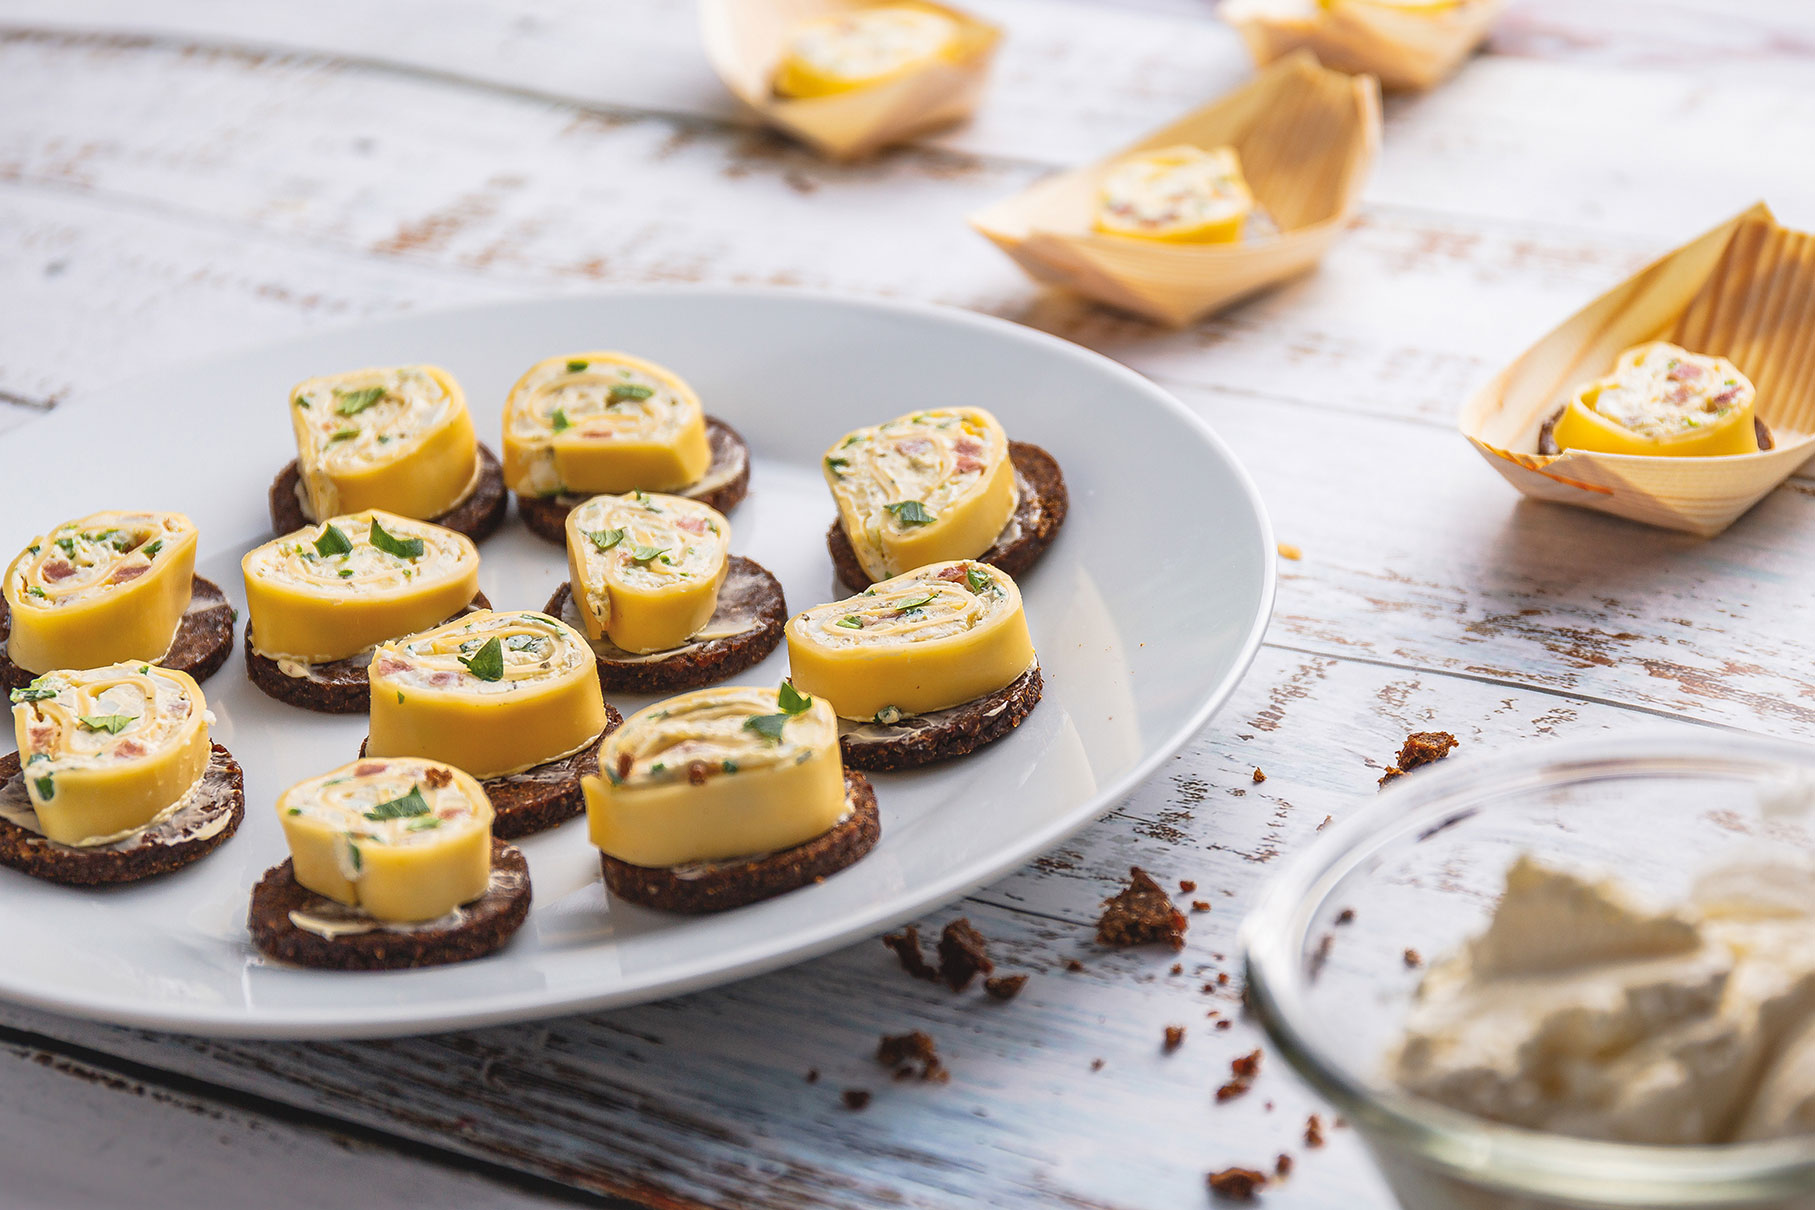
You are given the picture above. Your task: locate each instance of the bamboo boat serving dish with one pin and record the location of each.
(747, 40)
(1306, 137)
(1411, 45)
(1743, 291)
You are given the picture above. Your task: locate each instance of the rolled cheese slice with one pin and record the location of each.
(646, 569)
(397, 438)
(332, 590)
(1184, 195)
(940, 635)
(1662, 399)
(733, 771)
(602, 423)
(99, 590)
(107, 751)
(864, 48)
(491, 693)
(922, 488)
(402, 839)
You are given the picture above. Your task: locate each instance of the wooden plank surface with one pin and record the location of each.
(193, 176)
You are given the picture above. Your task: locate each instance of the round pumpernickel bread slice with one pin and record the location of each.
(725, 482)
(750, 606)
(718, 886)
(478, 516)
(540, 798)
(212, 814)
(1547, 434)
(1043, 504)
(921, 739)
(470, 931)
(204, 637)
(336, 687)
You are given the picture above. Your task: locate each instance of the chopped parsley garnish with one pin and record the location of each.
(836, 465)
(888, 716)
(294, 810)
(35, 591)
(767, 725)
(68, 545)
(332, 542)
(850, 621)
(911, 512)
(574, 367)
(150, 549)
(353, 855)
(346, 573)
(605, 539)
(977, 579)
(642, 497)
(792, 700)
(925, 598)
(729, 766)
(342, 435)
(624, 392)
(113, 724)
(37, 691)
(423, 825)
(643, 554)
(354, 402)
(47, 789)
(407, 807)
(403, 548)
(488, 662)
(558, 420)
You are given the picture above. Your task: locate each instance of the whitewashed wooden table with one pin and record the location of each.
(191, 176)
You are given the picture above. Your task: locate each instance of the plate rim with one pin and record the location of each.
(799, 945)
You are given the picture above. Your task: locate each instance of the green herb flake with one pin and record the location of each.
(343, 435)
(729, 766)
(407, 807)
(888, 716)
(850, 621)
(150, 549)
(643, 554)
(925, 598)
(424, 825)
(605, 539)
(354, 402)
(37, 691)
(403, 548)
(836, 465)
(346, 573)
(35, 591)
(332, 542)
(574, 367)
(558, 420)
(624, 392)
(767, 725)
(354, 857)
(977, 579)
(792, 700)
(911, 512)
(113, 724)
(488, 662)
(400, 697)
(47, 789)
(294, 811)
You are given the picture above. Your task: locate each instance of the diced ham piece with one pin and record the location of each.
(914, 446)
(129, 748)
(390, 665)
(369, 768)
(1686, 371)
(128, 572)
(58, 569)
(1727, 396)
(967, 445)
(967, 464)
(693, 525)
(954, 574)
(444, 678)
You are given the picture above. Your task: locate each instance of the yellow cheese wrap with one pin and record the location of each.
(694, 778)
(922, 488)
(1662, 399)
(397, 438)
(402, 839)
(646, 569)
(102, 589)
(602, 423)
(863, 48)
(327, 591)
(106, 751)
(940, 635)
(492, 693)
(1183, 195)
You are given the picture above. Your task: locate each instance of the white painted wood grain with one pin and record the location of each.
(160, 202)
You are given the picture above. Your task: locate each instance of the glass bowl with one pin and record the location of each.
(1421, 869)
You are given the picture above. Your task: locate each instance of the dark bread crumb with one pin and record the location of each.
(1237, 1184)
(1178, 968)
(1141, 914)
(912, 1056)
(1200, 905)
(1096, 1065)
(855, 1098)
(1186, 886)
(812, 1075)
(1005, 987)
(1242, 1072)
(1420, 748)
(1224, 1024)
(1313, 1131)
(1074, 966)
(1346, 916)
(1175, 1038)
(1258, 775)
(906, 945)
(962, 954)
(1413, 958)
(1282, 1167)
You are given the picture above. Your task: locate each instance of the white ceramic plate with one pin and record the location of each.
(1139, 642)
